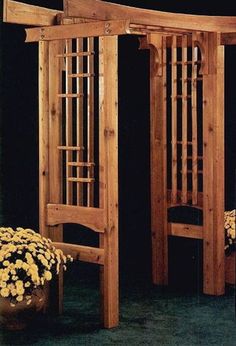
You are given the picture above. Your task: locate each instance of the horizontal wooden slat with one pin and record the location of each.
(82, 253)
(66, 147)
(93, 29)
(20, 13)
(89, 217)
(81, 180)
(81, 75)
(185, 230)
(81, 164)
(70, 95)
(77, 54)
(102, 10)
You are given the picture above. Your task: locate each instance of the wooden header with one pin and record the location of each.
(19, 13)
(93, 29)
(101, 10)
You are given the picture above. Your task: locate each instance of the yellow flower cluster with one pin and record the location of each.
(27, 261)
(230, 221)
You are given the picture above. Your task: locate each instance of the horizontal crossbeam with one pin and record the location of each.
(93, 29)
(82, 253)
(185, 230)
(20, 13)
(93, 218)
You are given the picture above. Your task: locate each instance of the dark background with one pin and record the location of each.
(19, 142)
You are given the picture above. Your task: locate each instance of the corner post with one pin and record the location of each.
(158, 147)
(213, 166)
(108, 174)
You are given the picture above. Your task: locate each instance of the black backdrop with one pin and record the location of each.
(19, 139)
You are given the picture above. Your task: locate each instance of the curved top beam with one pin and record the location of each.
(101, 10)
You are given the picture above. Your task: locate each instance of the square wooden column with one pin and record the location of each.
(158, 157)
(108, 176)
(213, 165)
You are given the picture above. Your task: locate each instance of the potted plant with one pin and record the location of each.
(230, 246)
(27, 262)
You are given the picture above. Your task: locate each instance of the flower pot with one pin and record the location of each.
(21, 315)
(230, 268)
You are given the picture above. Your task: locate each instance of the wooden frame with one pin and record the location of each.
(181, 36)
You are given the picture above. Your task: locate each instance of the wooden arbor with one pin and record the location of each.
(78, 124)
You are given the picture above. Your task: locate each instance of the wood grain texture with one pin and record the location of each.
(185, 230)
(102, 10)
(93, 218)
(158, 169)
(20, 13)
(213, 168)
(108, 101)
(43, 136)
(93, 29)
(82, 253)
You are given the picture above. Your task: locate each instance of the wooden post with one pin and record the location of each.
(43, 137)
(213, 167)
(108, 174)
(55, 193)
(158, 159)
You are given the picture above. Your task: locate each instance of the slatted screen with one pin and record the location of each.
(184, 120)
(78, 102)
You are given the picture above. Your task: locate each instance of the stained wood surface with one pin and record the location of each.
(108, 98)
(20, 13)
(102, 10)
(186, 230)
(93, 218)
(158, 169)
(81, 252)
(213, 168)
(43, 136)
(93, 29)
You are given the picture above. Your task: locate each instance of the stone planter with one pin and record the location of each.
(20, 316)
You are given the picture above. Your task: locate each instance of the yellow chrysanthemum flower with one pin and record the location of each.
(48, 275)
(19, 298)
(5, 292)
(6, 263)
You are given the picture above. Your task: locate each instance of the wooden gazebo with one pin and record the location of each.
(78, 129)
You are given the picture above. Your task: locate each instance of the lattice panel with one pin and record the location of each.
(184, 119)
(78, 112)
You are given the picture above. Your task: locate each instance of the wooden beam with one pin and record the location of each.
(88, 217)
(102, 10)
(81, 252)
(185, 230)
(93, 29)
(20, 13)
(213, 168)
(43, 136)
(158, 178)
(108, 104)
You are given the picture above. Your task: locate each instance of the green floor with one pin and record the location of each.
(148, 316)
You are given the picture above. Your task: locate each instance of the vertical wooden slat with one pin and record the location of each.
(43, 136)
(90, 120)
(184, 119)
(79, 117)
(55, 169)
(194, 124)
(108, 157)
(213, 167)
(68, 85)
(158, 157)
(174, 118)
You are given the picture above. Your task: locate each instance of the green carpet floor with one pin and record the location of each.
(148, 316)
